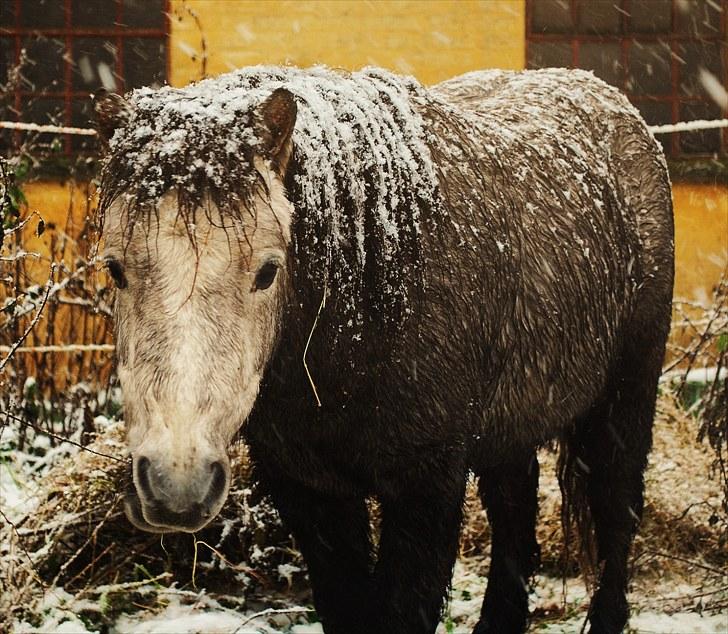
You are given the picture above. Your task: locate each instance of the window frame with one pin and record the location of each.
(70, 34)
(625, 39)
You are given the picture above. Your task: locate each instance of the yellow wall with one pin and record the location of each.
(432, 39)
(64, 209)
(701, 239)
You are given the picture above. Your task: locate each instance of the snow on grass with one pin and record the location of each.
(556, 614)
(185, 619)
(650, 622)
(175, 611)
(17, 497)
(182, 614)
(17, 487)
(59, 613)
(180, 618)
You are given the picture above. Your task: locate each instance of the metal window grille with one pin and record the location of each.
(669, 56)
(55, 53)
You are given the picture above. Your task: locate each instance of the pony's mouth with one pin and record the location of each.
(154, 517)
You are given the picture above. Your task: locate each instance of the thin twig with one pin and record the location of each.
(21, 225)
(40, 430)
(229, 564)
(308, 341)
(25, 552)
(32, 324)
(657, 553)
(54, 290)
(123, 586)
(271, 611)
(91, 537)
(68, 347)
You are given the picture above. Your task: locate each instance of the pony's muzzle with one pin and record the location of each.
(169, 497)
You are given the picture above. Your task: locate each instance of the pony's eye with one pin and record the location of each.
(265, 276)
(116, 270)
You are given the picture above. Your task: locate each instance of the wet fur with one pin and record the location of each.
(501, 354)
(538, 314)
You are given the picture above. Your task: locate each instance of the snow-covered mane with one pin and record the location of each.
(359, 179)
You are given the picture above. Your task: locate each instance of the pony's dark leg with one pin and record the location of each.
(612, 445)
(509, 494)
(334, 537)
(417, 551)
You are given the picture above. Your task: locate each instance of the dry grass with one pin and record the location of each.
(79, 539)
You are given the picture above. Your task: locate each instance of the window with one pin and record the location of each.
(669, 56)
(54, 53)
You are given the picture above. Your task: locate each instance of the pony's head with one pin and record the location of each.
(201, 270)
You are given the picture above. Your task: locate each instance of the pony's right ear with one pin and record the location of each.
(111, 111)
(278, 117)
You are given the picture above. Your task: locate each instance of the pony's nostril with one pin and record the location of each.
(217, 485)
(143, 482)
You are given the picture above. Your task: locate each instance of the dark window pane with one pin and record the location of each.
(549, 55)
(94, 64)
(650, 16)
(42, 14)
(6, 141)
(145, 62)
(7, 13)
(7, 57)
(703, 141)
(599, 16)
(44, 111)
(82, 117)
(657, 113)
(148, 14)
(93, 13)
(698, 17)
(43, 68)
(551, 16)
(649, 69)
(695, 59)
(604, 59)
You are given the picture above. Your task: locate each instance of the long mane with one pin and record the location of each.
(361, 177)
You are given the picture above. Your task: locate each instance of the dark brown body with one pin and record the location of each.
(544, 314)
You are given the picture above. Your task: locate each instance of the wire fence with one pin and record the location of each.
(681, 126)
(53, 129)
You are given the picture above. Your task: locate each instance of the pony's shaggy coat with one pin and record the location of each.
(468, 272)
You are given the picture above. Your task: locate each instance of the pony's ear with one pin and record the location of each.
(111, 111)
(278, 116)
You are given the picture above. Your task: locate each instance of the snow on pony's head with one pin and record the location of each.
(200, 262)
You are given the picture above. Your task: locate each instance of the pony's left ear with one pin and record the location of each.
(111, 111)
(278, 117)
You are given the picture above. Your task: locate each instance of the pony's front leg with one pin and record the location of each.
(417, 551)
(333, 535)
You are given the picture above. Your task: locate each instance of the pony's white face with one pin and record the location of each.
(198, 309)
(196, 322)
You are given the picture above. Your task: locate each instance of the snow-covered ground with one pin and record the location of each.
(183, 613)
(668, 603)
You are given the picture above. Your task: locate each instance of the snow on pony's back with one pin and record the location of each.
(361, 171)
